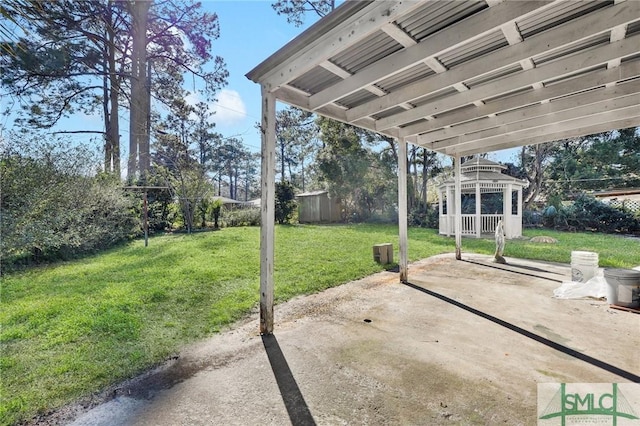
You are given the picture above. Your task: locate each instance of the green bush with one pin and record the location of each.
(53, 208)
(285, 202)
(242, 217)
(589, 214)
(424, 216)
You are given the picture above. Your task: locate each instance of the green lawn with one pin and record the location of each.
(74, 328)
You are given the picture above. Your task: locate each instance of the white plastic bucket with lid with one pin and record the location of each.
(584, 265)
(623, 287)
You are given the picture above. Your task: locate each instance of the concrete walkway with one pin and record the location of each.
(464, 342)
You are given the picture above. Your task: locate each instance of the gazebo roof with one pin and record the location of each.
(481, 163)
(488, 179)
(463, 77)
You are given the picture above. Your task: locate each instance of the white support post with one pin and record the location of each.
(478, 212)
(458, 195)
(267, 227)
(402, 208)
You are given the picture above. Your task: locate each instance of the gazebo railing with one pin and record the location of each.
(468, 224)
(488, 223)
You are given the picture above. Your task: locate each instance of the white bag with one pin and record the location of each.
(595, 288)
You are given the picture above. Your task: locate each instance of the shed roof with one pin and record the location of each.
(463, 77)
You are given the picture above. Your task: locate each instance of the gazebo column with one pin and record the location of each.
(450, 209)
(267, 227)
(478, 212)
(402, 208)
(520, 212)
(458, 219)
(506, 210)
(440, 210)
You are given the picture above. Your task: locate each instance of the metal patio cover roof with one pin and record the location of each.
(463, 77)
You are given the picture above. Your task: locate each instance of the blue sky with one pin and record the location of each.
(250, 31)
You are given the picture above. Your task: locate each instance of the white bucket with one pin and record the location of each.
(584, 265)
(623, 287)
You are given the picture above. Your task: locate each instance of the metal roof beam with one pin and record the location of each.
(585, 82)
(579, 29)
(566, 66)
(469, 29)
(578, 124)
(563, 104)
(364, 23)
(587, 113)
(510, 142)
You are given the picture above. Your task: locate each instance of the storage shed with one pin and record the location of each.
(318, 207)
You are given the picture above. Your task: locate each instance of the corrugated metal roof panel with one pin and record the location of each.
(574, 74)
(357, 98)
(633, 28)
(557, 14)
(494, 75)
(631, 58)
(388, 113)
(422, 120)
(411, 75)
(509, 94)
(447, 91)
(579, 46)
(474, 49)
(436, 15)
(366, 52)
(315, 80)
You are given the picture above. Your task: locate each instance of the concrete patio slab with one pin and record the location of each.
(464, 342)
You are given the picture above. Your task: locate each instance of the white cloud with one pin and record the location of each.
(229, 108)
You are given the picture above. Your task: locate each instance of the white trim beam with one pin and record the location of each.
(510, 142)
(577, 101)
(585, 82)
(511, 33)
(366, 22)
(566, 66)
(469, 29)
(623, 107)
(398, 34)
(580, 29)
(578, 124)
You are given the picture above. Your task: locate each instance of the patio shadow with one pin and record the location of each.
(297, 408)
(515, 265)
(557, 346)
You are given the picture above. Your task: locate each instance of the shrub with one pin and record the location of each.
(285, 202)
(52, 208)
(589, 214)
(424, 216)
(242, 217)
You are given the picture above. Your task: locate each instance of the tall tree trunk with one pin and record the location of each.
(108, 147)
(113, 127)
(282, 161)
(425, 175)
(302, 171)
(139, 10)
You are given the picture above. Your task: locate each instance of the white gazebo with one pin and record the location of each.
(481, 177)
(456, 77)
